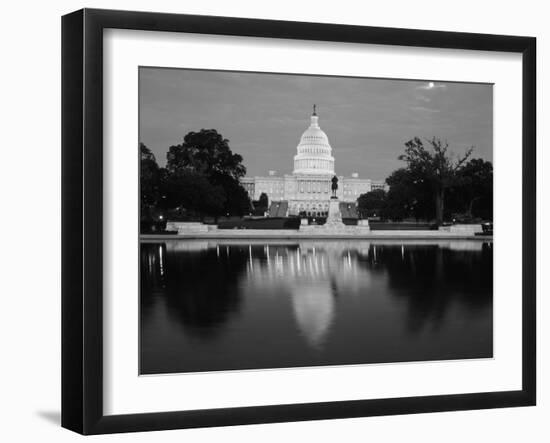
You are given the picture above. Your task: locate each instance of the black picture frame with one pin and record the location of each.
(82, 218)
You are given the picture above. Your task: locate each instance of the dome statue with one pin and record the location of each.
(314, 154)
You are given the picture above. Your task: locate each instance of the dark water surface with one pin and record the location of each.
(223, 305)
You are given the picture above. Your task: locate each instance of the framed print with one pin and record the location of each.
(269, 221)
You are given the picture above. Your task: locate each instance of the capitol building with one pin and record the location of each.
(308, 189)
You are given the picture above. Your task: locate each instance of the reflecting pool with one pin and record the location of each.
(208, 305)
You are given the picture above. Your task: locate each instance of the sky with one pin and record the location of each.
(264, 115)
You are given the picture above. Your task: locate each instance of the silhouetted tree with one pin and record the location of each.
(264, 200)
(205, 152)
(408, 196)
(149, 181)
(237, 201)
(206, 156)
(192, 192)
(372, 204)
(473, 194)
(261, 205)
(436, 166)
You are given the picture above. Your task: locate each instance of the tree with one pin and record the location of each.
(436, 166)
(149, 181)
(261, 205)
(237, 201)
(473, 194)
(263, 200)
(208, 155)
(408, 196)
(205, 152)
(192, 192)
(372, 204)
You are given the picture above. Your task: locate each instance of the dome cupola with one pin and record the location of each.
(314, 154)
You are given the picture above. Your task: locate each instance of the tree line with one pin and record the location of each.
(433, 185)
(201, 178)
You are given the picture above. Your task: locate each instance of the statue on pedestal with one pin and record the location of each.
(334, 186)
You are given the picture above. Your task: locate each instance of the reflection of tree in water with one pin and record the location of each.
(432, 277)
(201, 289)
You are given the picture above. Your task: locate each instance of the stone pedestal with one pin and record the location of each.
(334, 225)
(334, 218)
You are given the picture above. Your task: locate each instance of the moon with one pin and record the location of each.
(431, 85)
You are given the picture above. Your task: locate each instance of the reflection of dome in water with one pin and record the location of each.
(313, 305)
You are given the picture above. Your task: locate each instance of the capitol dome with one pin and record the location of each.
(314, 152)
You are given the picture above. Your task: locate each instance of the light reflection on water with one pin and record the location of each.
(219, 305)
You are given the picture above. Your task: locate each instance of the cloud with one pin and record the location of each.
(423, 98)
(423, 109)
(430, 86)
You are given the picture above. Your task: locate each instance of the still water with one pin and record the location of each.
(225, 305)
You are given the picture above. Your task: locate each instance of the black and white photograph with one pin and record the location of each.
(266, 222)
(291, 221)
